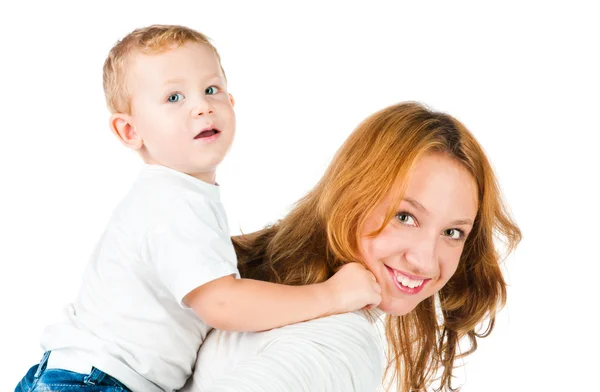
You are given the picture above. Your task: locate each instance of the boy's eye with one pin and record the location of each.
(455, 234)
(175, 97)
(405, 218)
(212, 90)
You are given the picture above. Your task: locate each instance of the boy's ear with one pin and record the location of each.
(121, 125)
(231, 100)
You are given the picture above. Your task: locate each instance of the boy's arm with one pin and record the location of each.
(250, 305)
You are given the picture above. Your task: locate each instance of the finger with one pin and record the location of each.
(375, 302)
(378, 301)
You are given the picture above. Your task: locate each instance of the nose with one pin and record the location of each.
(422, 257)
(203, 108)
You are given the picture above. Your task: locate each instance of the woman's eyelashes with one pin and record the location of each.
(408, 219)
(455, 234)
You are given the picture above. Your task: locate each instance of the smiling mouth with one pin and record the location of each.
(409, 285)
(407, 282)
(207, 133)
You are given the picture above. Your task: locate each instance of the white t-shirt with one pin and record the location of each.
(341, 353)
(168, 236)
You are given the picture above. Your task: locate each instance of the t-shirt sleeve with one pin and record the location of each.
(187, 246)
(326, 358)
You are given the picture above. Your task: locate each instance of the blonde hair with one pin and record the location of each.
(322, 233)
(148, 40)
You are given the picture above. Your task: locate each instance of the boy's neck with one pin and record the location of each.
(209, 177)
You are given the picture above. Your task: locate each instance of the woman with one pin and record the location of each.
(410, 194)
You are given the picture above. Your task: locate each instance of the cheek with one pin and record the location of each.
(224, 109)
(160, 124)
(367, 254)
(449, 264)
(375, 249)
(372, 257)
(385, 248)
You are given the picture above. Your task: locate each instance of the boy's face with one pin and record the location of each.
(181, 110)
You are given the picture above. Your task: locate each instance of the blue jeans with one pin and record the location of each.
(39, 379)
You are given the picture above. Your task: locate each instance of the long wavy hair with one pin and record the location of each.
(322, 233)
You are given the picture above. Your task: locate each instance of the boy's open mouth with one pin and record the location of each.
(207, 133)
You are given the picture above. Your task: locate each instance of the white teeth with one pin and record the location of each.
(405, 281)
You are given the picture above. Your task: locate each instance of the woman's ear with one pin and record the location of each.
(122, 126)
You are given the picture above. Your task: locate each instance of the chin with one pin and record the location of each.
(398, 307)
(211, 162)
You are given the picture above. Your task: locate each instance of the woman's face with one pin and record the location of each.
(418, 250)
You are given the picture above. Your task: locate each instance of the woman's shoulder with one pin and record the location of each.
(333, 352)
(348, 332)
(338, 331)
(346, 351)
(346, 323)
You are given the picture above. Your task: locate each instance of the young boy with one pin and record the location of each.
(164, 272)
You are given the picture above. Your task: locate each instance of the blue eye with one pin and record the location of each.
(212, 90)
(175, 97)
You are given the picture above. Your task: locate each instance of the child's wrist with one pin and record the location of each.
(327, 298)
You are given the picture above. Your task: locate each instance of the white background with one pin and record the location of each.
(523, 76)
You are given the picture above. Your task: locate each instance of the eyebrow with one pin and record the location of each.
(173, 81)
(421, 208)
(416, 204)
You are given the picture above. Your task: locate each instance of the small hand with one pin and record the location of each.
(354, 287)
